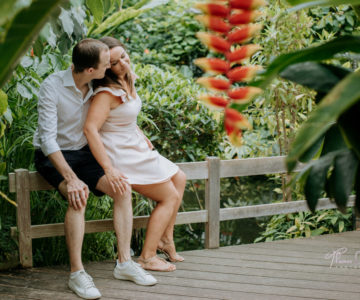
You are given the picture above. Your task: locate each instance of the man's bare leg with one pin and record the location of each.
(74, 232)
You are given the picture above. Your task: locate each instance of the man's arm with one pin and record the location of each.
(77, 191)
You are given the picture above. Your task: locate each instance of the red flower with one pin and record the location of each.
(247, 4)
(244, 73)
(213, 65)
(242, 53)
(214, 83)
(214, 42)
(244, 94)
(215, 102)
(244, 17)
(214, 23)
(244, 34)
(213, 9)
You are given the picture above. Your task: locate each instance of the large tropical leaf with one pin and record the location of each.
(22, 32)
(342, 177)
(319, 53)
(349, 122)
(8, 9)
(338, 100)
(301, 4)
(315, 181)
(317, 76)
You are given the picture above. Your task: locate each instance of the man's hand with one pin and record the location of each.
(117, 180)
(78, 193)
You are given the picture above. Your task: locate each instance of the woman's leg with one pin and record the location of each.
(167, 240)
(167, 198)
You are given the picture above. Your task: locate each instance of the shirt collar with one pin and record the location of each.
(68, 78)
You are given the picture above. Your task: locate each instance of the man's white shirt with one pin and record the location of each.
(62, 113)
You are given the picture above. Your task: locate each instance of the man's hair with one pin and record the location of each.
(86, 54)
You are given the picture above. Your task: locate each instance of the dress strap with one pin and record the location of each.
(116, 92)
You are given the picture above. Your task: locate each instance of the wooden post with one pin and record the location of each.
(23, 217)
(356, 215)
(212, 203)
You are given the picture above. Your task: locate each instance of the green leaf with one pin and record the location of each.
(333, 140)
(317, 231)
(8, 9)
(23, 91)
(301, 4)
(316, 76)
(342, 178)
(315, 181)
(357, 191)
(318, 53)
(154, 3)
(312, 151)
(22, 31)
(348, 123)
(112, 22)
(340, 98)
(66, 22)
(3, 102)
(96, 7)
(48, 34)
(341, 226)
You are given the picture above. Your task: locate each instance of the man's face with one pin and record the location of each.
(104, 63)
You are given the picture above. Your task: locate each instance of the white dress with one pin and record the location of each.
(126, 145)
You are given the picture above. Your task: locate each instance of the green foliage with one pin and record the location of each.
(305, 224)
(21, 32)
(333, 21)
(154, 39)
(184, 130)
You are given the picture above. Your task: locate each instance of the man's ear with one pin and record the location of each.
(90, 70)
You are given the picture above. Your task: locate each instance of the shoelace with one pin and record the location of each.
(86, 280)
(139, 269)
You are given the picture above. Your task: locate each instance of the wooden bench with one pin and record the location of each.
(22, 182)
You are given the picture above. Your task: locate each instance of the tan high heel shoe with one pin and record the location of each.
(165, 250)
(152, 264)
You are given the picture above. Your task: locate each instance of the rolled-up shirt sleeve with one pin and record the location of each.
(47, 119)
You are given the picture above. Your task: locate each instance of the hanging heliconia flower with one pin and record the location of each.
(230, 23)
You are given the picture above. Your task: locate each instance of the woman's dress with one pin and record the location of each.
(126, 145)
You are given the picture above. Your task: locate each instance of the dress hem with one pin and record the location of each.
(161, 181)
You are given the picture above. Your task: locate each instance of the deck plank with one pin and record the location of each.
(286, 270)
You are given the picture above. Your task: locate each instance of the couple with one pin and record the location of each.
(87, 139)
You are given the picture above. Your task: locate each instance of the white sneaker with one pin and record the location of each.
(83, 285)
(134, 272)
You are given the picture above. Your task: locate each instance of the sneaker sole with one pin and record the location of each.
(82, 296)
(121, 277)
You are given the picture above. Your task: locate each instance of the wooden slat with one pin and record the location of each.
(194, 170)
(12, 187)
(49, 230)
(254, 211)
(38, 183)
(23, 217)
(254, 166)
(212, 203)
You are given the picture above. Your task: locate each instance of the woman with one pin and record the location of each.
(127, 156)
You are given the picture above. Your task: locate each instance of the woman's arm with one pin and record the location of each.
(97, 115)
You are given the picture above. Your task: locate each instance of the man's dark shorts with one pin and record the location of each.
(81, 161)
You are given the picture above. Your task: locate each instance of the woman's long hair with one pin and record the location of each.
(110, 79)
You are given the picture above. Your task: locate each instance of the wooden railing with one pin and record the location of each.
(22, 182)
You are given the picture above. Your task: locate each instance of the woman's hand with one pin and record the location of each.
(118, 181)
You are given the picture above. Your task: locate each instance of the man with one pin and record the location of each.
(63, 158)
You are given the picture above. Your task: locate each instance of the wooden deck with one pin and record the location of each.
(290, 269)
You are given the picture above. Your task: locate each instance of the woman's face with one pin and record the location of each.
(119, 61)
